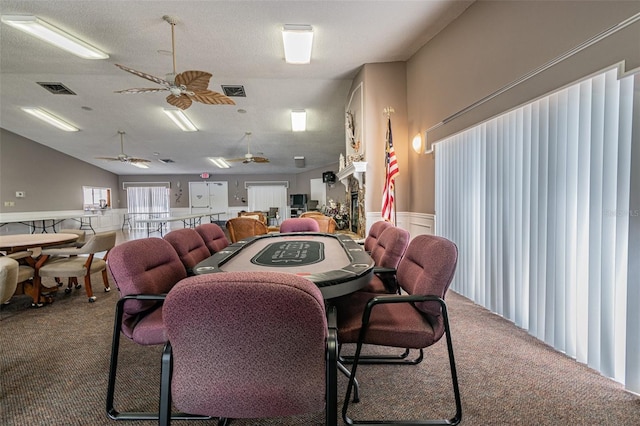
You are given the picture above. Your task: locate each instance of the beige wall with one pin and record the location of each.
(51, 180)
(384, 86)
(495, 43)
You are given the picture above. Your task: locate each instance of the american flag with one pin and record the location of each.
(388, 195)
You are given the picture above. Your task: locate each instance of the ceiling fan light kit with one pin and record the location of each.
(249, 157)
(297, 40)
(49, 118)
(180, 119)
(46, 32)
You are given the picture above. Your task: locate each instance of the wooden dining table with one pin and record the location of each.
(20, 242)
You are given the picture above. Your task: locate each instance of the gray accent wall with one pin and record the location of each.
(50, 179)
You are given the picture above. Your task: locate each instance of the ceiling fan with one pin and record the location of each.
(249, 157)
(124, 158)
(185, 87)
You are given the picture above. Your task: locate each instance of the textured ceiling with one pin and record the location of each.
(239, 42)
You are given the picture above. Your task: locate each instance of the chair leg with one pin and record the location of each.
(87, 287)
(105, 281)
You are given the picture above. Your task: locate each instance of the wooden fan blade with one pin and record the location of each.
(107, 158)
(137, 90)
(182, 101)
(137, 160)
(144, 75)
(210, 97)
(193, 80)
(234, 160)
(260, 159)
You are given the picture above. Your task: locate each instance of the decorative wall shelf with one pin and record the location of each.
(357, 169)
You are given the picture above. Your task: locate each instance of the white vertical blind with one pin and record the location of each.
(537, 201)
(262, 197)
(148, 200)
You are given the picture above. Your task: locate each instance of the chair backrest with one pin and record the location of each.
(299, 224)
(254, 215)
(8, 277)
(82, 235)
(238, 336)
(102, 241)
(374, 232)
(144, 266)
(213, 236)
(190, 247)
(327, 224)
(427, 268)
(390, 247)
(312, 213)
(244, 227)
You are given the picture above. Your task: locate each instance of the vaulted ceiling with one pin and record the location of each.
(239, 42)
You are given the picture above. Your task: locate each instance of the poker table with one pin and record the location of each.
(334, 262)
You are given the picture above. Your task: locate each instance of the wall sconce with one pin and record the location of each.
(416, 144)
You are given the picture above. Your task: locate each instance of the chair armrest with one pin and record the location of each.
(62, 251)
(383, 270)
(404, 298)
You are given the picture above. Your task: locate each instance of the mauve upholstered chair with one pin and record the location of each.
(249, 345)
(415, 319)
(299, 224)
(213, 237)
(74, 262)
(374, 232)
(387, 253)
(190, 247)
(143, 271)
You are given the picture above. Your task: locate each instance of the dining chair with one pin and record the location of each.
(143, 271)
(327, 224)
(254, 215)
(299, 224)
(82, 235)
(416, 319)
(248, 345)
(213, 237)
(74, 262)
(190, 247)
(374, 232)
(244, 227)
(311, 213)
(387, 253)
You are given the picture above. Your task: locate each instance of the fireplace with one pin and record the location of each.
(354, 212)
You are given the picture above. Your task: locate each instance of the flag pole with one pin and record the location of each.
(388, 111)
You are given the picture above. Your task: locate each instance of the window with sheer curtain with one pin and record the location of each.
(538, 202)
(263, 197)
(146, 201)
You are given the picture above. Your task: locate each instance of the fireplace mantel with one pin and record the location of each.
(357, 169)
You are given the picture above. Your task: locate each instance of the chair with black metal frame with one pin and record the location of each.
(374, 232)
(236, 367)
(144, 271)
(416, 319)
(190, 247)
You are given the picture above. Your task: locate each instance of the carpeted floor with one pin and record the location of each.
(54, 363)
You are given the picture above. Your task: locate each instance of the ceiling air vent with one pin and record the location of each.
(234, 91)
(56, 88)
(165, 160)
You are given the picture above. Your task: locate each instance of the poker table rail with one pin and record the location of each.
(350, 276)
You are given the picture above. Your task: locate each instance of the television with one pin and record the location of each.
(297, 200)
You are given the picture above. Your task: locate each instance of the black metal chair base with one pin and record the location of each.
(385, 359)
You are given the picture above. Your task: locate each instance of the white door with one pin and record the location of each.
(318, 192)
(210, 198)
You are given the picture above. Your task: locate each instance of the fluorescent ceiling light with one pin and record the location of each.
(298, 120)
(49, 118)
(140, 165)
(180, 119)
(55, 36)
(297, 40)
(220, 162)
